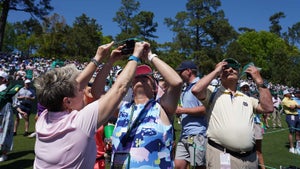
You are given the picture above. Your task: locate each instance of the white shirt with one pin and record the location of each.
(2, 87)
(231, 119)
(276, 102)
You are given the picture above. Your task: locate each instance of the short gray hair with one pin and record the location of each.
(56, 84)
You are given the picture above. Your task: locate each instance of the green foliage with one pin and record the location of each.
(78, 42)
(134, 23)
(202, 32)
(9, 39)
(124, 18)
(52, 41)
(38, 9)
(26, 36)
(173, 58)
(293, 34)
(85, 37)
(269, 52)
(275, 26)
(144, 26)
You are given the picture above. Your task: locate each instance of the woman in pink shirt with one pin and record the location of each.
(66, 129)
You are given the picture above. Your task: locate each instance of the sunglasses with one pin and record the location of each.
(234, 67)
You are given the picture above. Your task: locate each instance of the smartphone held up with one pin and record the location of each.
(128, 45)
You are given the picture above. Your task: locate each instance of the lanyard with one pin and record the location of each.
(132, 125)
(130, 119)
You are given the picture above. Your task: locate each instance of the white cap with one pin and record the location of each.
(214, 82)
(27, 81)
(244, 83)
(4, 75)
(286, 92)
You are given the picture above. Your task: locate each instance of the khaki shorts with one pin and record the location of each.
(213, 159)
(192, 149)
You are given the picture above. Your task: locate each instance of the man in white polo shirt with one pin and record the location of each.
(230, 112)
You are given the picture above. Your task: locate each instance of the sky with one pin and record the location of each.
(240, 13)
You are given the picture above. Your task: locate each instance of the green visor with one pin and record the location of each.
(232, 63)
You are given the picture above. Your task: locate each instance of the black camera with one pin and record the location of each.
(249, 77)
(128, 45)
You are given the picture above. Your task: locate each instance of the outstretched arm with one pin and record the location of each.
(110, 101)
(85, 76)
(265, 97)
(199, 89)
(170, 99)
(100, 80)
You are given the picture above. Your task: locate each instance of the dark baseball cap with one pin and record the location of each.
(186, 65)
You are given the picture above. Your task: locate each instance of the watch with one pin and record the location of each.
(262, 85)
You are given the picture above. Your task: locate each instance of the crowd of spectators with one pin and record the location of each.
(21, 68)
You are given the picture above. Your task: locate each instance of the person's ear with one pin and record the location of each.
(66, 100)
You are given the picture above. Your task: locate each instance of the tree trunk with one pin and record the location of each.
(3, 18)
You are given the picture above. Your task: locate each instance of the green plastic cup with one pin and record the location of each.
(108, 130)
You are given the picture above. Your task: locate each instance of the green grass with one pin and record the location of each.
(22, 155)
(275, 148)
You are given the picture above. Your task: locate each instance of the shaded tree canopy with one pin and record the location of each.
(36, 8)
(269, 52)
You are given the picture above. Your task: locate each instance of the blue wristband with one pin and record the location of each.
(134, 58)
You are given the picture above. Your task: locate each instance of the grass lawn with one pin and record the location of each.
(22, 155)
(275, 149)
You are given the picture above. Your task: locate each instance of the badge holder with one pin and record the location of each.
(119, 160)
(225, 160)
